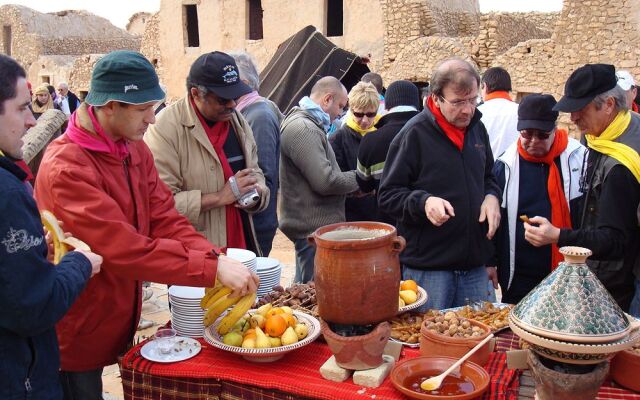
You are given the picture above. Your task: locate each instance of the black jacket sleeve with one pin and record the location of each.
(498, 238)
(616, 222)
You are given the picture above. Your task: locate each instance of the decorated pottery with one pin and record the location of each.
(358, 352)
(357, 272)
(572, 305)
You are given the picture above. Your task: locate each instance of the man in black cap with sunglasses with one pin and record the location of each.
(539, 175)
(608, 223)
(205, 151)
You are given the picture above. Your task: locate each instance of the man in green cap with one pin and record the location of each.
(99, 178)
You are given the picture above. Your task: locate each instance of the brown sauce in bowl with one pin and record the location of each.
(453, 384)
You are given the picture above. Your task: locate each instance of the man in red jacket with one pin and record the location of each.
(100, 179)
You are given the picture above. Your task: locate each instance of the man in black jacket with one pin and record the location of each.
(439, 185)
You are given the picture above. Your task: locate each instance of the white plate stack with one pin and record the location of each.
(269, 271)
(247, 257)
(186, 314)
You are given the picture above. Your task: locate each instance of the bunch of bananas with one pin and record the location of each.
(61, 243)
(216, 300)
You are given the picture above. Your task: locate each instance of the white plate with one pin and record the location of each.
(267, 263)
(414, 345)
(498, 305)
(186, 292)
(183, 349)
(422, 298)
(242, 255)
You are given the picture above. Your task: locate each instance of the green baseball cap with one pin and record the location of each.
(124, 76)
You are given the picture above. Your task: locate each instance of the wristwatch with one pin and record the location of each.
(234, 187)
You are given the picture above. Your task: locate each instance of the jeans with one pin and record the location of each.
(84, 385)
(446, 289)
(305, 254)
(634, 309)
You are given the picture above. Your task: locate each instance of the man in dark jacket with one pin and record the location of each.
(34, 294)
(402, 103)
(608, 221)
(439, 185)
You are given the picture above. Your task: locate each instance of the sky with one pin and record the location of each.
(119, 11)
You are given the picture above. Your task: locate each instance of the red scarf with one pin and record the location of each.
(23, 166)
(455, 134)
(634, 107)
(498, 94)
(217, 135)
(560, 216)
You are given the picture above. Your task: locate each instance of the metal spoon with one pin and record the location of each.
(435, 382)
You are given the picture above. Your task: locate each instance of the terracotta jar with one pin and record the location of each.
(625, 369)
(358, 352)
(357, 272)
(434, 344)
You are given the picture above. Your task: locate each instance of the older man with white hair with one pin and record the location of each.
(66, 99)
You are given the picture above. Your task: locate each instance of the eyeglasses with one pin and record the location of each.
(528, 134)
(221, 101)
(461, 103)
(361, 114)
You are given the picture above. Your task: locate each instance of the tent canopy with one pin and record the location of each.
(300, 61)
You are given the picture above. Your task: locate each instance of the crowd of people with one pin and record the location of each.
(159, 197)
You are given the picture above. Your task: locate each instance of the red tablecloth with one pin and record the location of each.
(218, 374)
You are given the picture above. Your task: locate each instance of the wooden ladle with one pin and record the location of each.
(435, 382)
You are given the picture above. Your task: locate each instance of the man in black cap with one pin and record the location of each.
(205, 152)
(608, 222)
(99, 179)
(539, 175)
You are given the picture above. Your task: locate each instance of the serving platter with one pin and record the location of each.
(422, 299)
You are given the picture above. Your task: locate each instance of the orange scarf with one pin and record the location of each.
(498, 94)
(560, 216)
(456, 135)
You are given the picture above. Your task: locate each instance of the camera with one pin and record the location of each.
(249, 199)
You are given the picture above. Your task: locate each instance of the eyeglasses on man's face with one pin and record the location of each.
(528, 134)
(221, 101)
(361, 114)
(461, 103)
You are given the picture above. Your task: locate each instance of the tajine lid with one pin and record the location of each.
(571, 304)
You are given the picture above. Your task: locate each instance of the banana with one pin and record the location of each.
(218, 308)
(224, 291)
(236, 313)
(51, 223)
(208, 293)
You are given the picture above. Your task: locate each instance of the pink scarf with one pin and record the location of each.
(247, 100)
(100, 143)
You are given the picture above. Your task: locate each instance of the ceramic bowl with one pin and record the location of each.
(404, 370)
(422, 299)
(625, 369)
(212, 337)
(434, 344)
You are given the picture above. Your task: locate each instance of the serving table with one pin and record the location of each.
(216, 374)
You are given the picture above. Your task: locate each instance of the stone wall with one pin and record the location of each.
(81, 45)
(137, 22)
(54, 68)
(80, 77)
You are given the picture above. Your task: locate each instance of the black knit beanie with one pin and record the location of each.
(402, 93)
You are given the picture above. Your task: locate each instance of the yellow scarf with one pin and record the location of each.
(351, 123)
(605, 144)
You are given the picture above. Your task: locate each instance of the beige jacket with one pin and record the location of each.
(188, 164)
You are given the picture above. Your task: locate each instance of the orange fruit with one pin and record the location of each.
(275, 326)
(275, 311)
(249, 333)
(409, 285)
(291, 320)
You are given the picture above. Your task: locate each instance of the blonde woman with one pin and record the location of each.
(42, 101)
(361, 118)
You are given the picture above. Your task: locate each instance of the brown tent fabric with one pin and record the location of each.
(300, 61)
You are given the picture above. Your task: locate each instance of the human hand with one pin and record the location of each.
(492, 273)
(234, 275)
(94, 259)
(438, 210)
(490, 211)
(542, 234)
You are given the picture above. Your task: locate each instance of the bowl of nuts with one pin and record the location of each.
(450, 335)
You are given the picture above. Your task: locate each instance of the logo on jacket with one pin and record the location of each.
(20, 240)
(230, 74)
(130, 87)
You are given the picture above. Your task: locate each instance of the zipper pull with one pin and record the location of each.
(27, 384)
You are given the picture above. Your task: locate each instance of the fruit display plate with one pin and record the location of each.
(212, 337)
(422, 298)
(497, 305)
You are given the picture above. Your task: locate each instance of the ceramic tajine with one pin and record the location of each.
(572, 305)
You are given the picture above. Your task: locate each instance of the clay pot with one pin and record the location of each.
(357, 275)
(554, 385)
(434, 344)
(625, 369)
(358, 352)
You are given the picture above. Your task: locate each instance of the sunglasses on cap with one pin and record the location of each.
(361, 114)
(530, 133)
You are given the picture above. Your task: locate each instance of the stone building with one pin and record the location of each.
(47, 45)
(137, 23)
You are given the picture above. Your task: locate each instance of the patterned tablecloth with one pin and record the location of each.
(216, 374)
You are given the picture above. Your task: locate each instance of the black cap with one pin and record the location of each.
(584, 84)
(536, 112)
(218, 72)
(401, 93)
